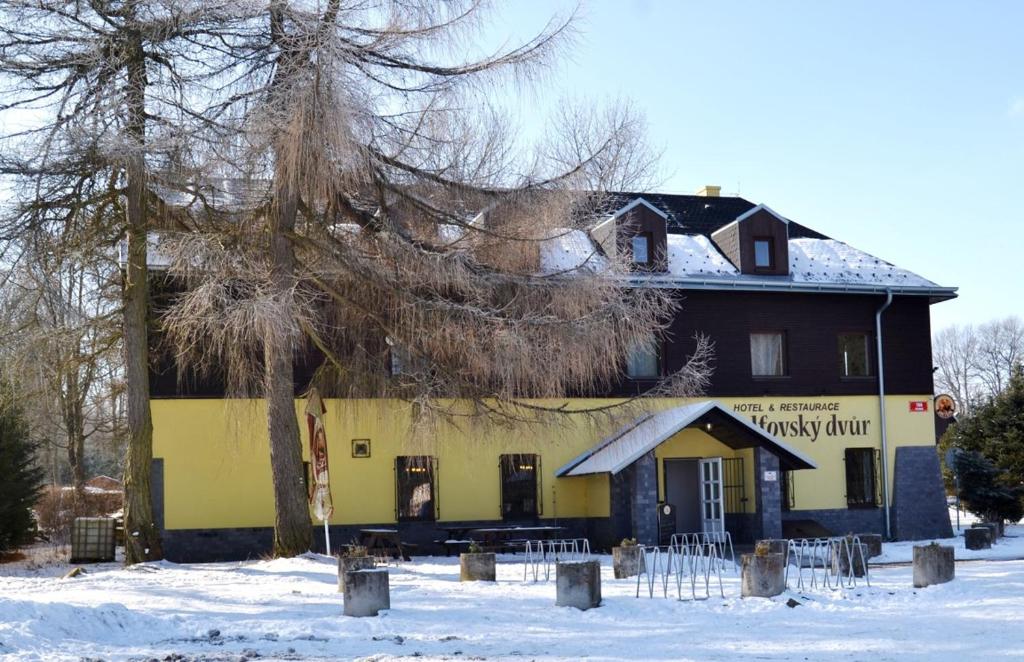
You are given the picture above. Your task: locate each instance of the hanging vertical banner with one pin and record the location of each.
(320, 485)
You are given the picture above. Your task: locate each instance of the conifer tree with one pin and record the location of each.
(22, 479)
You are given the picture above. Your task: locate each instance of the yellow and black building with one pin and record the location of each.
(818, 416)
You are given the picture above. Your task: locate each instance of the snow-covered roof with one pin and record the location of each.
(695, 255)
(639, 437)
(569, 250)
(831, 261)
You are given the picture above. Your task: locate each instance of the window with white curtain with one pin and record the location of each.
(768, 354)
(643, 362)
(641, 249)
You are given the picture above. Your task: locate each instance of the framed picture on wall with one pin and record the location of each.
(360, 448)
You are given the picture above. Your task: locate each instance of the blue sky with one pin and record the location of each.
(896, 127)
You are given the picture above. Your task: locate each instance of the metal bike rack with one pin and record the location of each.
(823, 555)
(683, 560)
(541, 554)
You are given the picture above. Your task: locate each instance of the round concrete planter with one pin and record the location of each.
(847, 555)
(367, 592)
(762, 576)
(350, 563)
(477, 567)
(626, 561)
(933, 564)
(977, 538)
(578, 584)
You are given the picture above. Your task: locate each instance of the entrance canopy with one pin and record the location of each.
(639, 437)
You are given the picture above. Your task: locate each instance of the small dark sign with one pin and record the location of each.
(360, 448)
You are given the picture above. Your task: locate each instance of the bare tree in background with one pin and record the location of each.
(975, 361)
(377, 210)
(61, 340)
(93, 95)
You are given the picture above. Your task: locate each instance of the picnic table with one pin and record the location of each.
(384, 541)
(496, 536)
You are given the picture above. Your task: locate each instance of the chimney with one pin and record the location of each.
(710, 191)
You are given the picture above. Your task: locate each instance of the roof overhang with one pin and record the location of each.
(639, 437)
(754, 284)
(753, 210)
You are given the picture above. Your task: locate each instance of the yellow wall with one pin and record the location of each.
(217, 473)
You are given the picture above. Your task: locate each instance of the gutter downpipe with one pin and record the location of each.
(881, 411)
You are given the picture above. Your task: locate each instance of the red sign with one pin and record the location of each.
(918, 405)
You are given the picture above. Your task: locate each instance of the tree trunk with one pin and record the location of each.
(292, 527)
(142, 537)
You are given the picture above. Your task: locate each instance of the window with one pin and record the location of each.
(402, 362)
(768, 354)
(519, 486)
(641, 249)
(414, 488)
(643, 362)
(764, 253)
(853, 355)
(861, 477)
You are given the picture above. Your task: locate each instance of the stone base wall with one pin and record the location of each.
(841, 521)
(237, 544)
(919, 498)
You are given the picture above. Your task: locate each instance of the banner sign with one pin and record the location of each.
(320, 485)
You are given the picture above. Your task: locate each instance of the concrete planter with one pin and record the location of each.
(850, 555)
(578, 584)
(626, 561)
(933, 564)
(350, 563)
(775, 545)
(762, 576)
(367, 592)
(992, 527)
(874, 543)
(977, 538)
(476, 567)
(1000, 527)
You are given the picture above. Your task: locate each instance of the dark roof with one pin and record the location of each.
(698, 214)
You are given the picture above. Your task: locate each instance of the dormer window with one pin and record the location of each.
(642, 249)
(764, 250)
(757, 242)
(637, 235)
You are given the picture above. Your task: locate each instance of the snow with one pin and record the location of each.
(290, 609)
(812, 261)
(694, 256)
(569, 250)
(831, 261)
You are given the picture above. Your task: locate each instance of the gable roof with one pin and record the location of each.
(699, 214)
(639, 437)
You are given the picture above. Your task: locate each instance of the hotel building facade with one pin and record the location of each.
(818, 418)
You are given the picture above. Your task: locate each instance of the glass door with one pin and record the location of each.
(711, 495)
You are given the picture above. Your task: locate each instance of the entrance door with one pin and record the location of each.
(711, 495)
(682, 490)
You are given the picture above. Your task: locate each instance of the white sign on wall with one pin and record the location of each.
(771, 476)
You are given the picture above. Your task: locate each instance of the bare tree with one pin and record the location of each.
(1000, 349)
(975, 361)
(62, 341)
(377, 210)
(97, 93)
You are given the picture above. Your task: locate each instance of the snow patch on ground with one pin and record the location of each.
(290, 609)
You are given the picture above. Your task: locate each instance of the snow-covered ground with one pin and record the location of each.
(290, 609)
